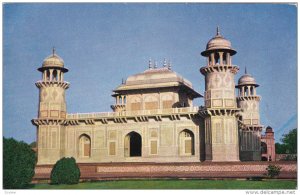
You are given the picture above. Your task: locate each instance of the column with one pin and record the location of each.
(212, 58)
(228, 59)
(51, 74)
(249, 91)
(44, 75)
(62, 77)
(58, 75)
(243, 91)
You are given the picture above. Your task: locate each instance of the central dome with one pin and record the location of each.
(159, 79)
(218, 43)
(156, 76)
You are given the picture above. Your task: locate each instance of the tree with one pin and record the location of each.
(280, 148)
(33, 144)
(290, 141)
(18, 164)
(65, 171)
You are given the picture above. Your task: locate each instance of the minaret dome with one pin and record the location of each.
(53, 61)
(247, 79)
(218, 43)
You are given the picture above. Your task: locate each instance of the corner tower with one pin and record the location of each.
(249, 120)
(221, 131)
(52, 110)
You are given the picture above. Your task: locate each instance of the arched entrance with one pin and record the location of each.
(133, 144)
(84, 146)
(186, 143)
(264, 148)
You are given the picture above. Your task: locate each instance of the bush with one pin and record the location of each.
(18, 164)
(273, 170)
(65, 171)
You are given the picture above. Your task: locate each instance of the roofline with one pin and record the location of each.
(208, 51)
(63, 69)
(247, 84)
(195, 93)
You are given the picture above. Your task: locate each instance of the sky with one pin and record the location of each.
(103, 43)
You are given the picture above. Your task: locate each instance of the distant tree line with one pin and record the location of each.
(289, 143)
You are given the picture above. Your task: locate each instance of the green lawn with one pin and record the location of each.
(175, 184)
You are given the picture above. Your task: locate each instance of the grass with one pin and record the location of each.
(175, 184)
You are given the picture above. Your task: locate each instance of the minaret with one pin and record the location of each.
(221, 131)
(249, 122)
(52, 109)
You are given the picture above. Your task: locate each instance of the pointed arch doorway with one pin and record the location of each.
(84, 146)
(133, 145)
(186, 143)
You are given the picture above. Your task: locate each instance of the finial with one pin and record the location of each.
(155, 64)
(122, 80)
(218, 31)
(53, 51)
(165, 63)
(150, 63)
(169, 65)
(245, 69)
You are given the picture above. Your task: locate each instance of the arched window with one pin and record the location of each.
(186, 143)
(151, 102)
(84, 146)
(135, 103)
(133, 144)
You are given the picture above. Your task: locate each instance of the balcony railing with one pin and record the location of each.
(133, 113)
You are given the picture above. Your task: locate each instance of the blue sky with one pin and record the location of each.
(103, 43)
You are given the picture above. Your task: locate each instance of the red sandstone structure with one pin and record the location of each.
(268, 145)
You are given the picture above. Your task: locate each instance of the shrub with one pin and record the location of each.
(273, 170)
(18, 164)
(65, 171)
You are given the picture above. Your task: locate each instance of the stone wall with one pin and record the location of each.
(100, 171)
